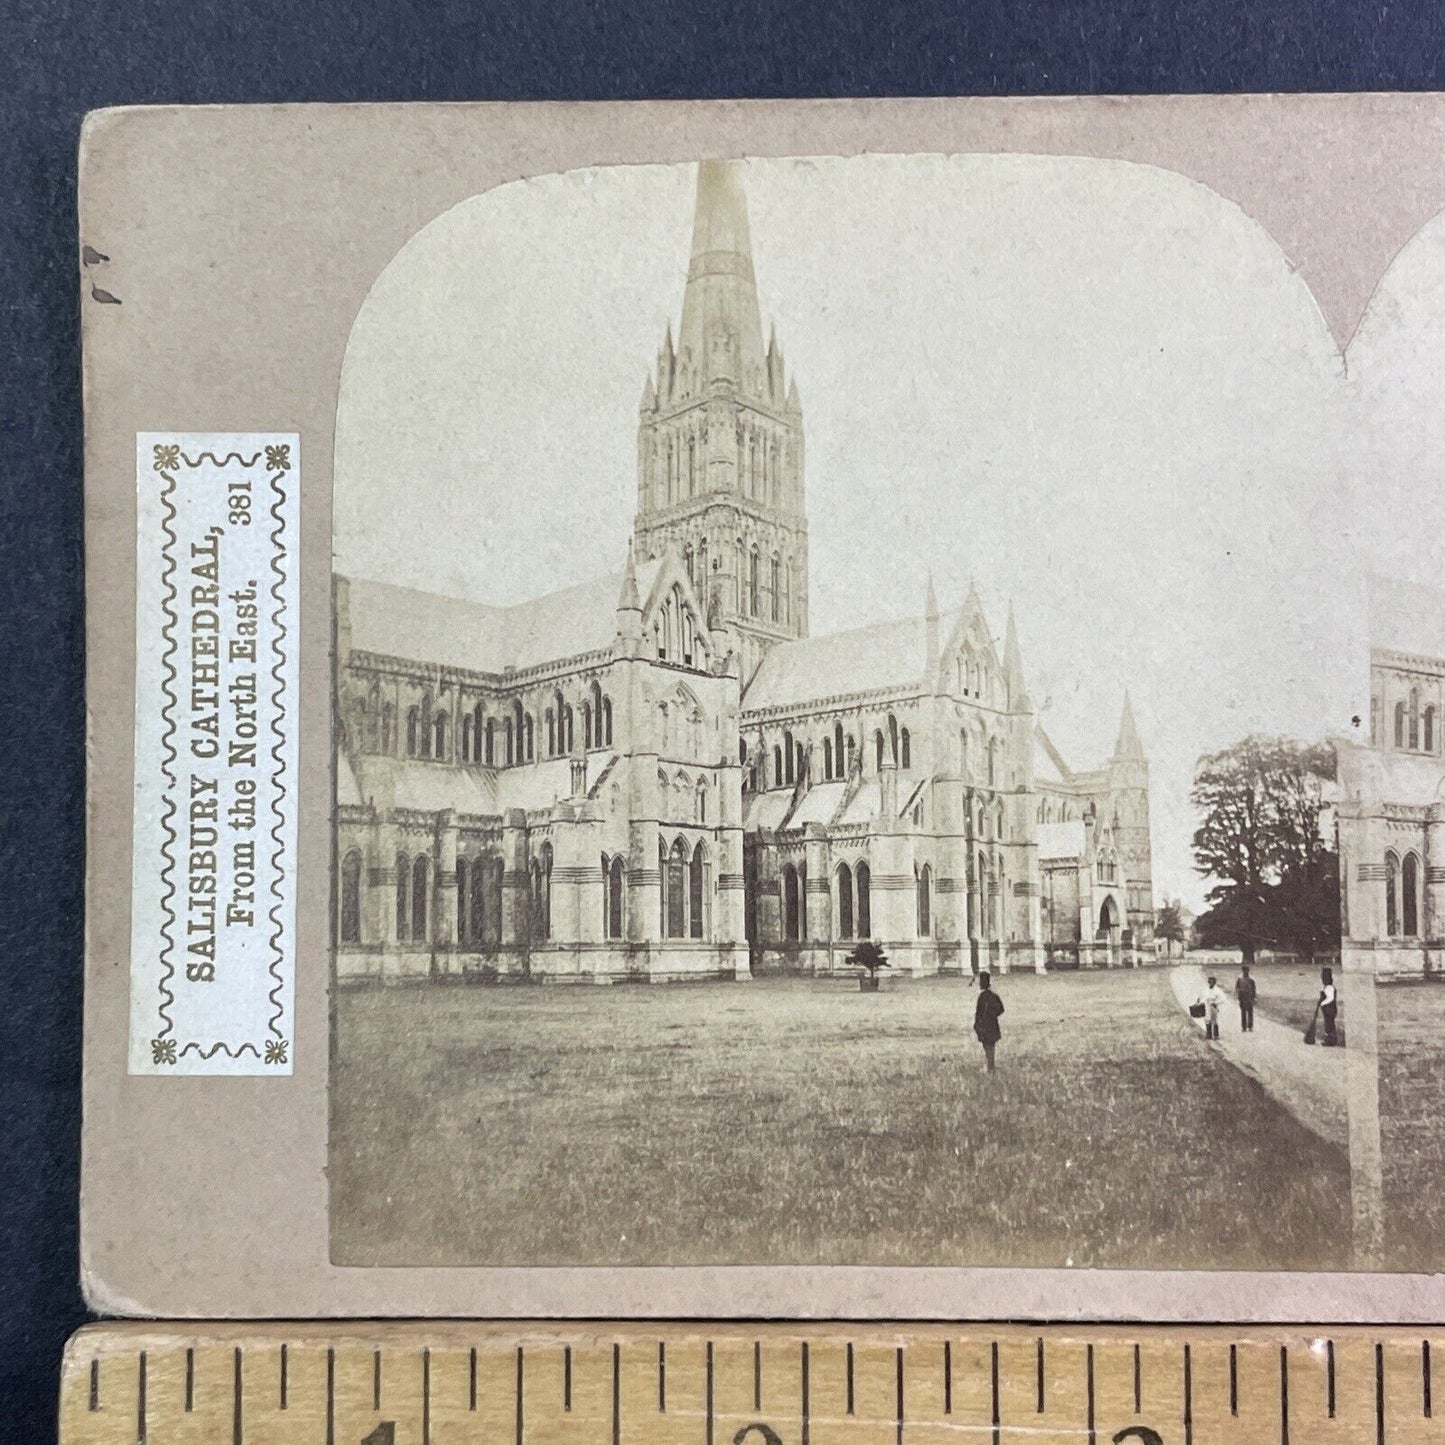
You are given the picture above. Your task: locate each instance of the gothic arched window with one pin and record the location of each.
(1410, 896)
(905, 750)
(1400, 724)
(792, 910)
(1392, 894)
(861, 880)
(1427, 740)
(696, 892)
(827, 757)
(777, 590)
(893, 738)
(878, 750)
(753, 608)
(675, 891)
(403, 898)
(925, 900)
(542, 892)
(413, 732)
(614, 874)
(439, 736)
(351, 898)
(777, 767)
(844, 876)
(838, 765)
(1414, 719)
(789, 757)
(419, 896)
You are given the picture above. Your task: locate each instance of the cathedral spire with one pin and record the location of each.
(1013, 664)
(722, 332)
(1127, 744)
(930, 622)
(629, 604)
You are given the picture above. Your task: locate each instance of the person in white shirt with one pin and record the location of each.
(1213, 1000)
(1329, 1006)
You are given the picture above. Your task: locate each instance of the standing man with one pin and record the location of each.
(1213, 1001)
(985, 1018)
(1245, 990)
(1329, 1006)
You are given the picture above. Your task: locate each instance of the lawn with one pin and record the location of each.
(800, 1121)
(1412, 1123)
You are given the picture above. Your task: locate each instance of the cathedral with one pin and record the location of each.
(663, 774)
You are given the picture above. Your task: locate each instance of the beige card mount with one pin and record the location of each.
(766, 709)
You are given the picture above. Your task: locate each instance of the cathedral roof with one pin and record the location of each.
(1060, 840)
(485, 792)
(867, 659)
(456, 632)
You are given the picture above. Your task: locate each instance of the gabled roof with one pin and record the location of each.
(1060, 840)
(456, 632)
(1049, 767)
(432, 787)
(881, 655)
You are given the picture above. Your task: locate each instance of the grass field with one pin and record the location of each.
(801, 1121)
(1412, 1123)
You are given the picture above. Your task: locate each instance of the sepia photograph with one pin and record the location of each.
(886, 711)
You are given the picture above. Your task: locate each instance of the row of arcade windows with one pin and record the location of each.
(511, 740)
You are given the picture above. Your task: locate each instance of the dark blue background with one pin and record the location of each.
(59, 60)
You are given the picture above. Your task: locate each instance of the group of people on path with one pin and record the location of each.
(1246, 990)
(988, 1009)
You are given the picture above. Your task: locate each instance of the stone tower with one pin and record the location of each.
(720, 441)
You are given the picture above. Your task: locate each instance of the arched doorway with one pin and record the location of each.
(1108, 932)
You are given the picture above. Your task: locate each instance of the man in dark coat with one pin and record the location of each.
(985, 1018)
(1246, 991)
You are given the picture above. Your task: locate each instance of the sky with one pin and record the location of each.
(1096, 389)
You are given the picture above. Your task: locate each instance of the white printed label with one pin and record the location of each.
(214, 885)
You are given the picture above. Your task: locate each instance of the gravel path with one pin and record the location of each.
(1308, 1081)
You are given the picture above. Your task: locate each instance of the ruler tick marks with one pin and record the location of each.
(997, 1432)
(331, 1397)
(1039, 1375)
(521, 1400)
(661, 1378)
(616, 1396)
(1089, 1376)
(426, 1397)
(140, 1404)
(95, 1384)
(1380, 1394)
(238, 1415)
(1233, 1380)
(1188, 1396)
(709, 1393)
(1138, 1383)
(1425, 1377)
(1284, 1395)
(472, 1382)
(758, 1375)
(567, 1378)
(190, 1380)
(899, 1358)
(850, 1378)
(1330, 1378)
(948, 1377)
(376, 1380)
(805, 1393)
(283, 1377)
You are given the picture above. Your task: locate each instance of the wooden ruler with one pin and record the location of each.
(716, 1384)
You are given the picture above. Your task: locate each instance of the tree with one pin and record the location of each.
(1261, 837)
(1169, 922)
